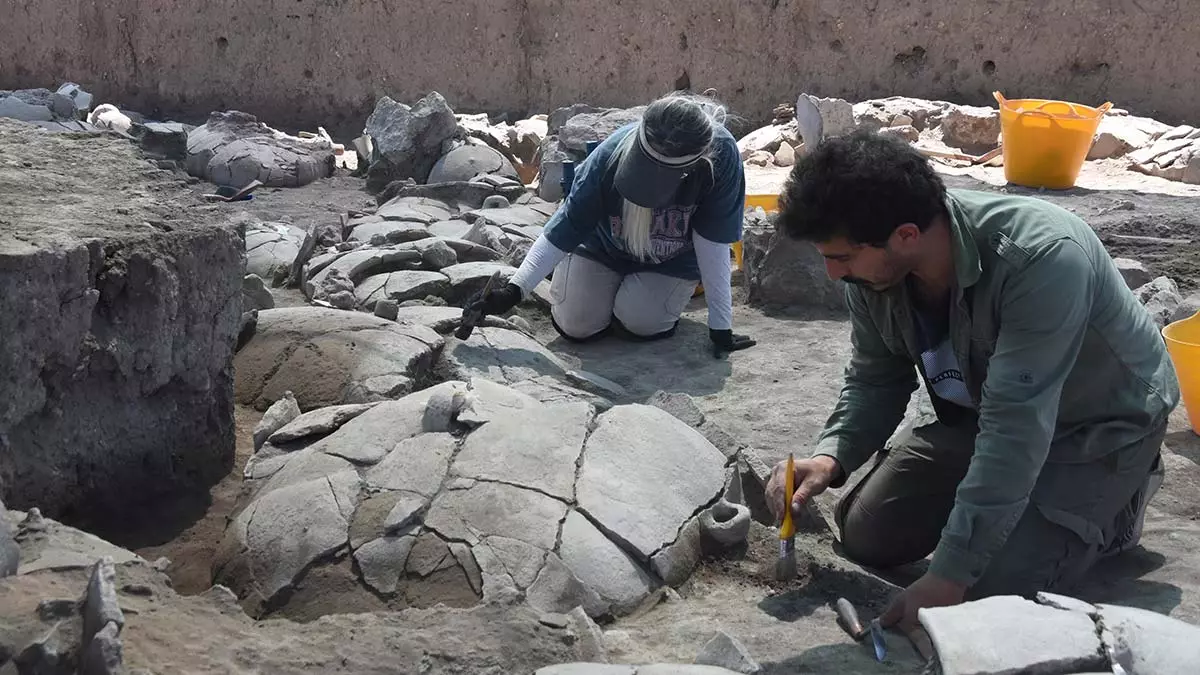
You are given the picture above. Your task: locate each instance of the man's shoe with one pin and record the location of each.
(1128, 531)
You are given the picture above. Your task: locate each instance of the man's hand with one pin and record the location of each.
(928, 591)
(498, 301)
(728, 341)
(813, 475)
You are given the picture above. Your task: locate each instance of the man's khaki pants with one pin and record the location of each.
(585, 296)
(896, 513)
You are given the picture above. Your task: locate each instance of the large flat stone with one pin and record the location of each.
(502, 356)
(444, 319)
(1008, 635)
(1147, 642)
(557, 589)
(418, 209)
(416, 464)
(535, 446)
(382, 561)
(469, 278)
(392, 231)
(400, 286)
(361, 263)
(331, 357)
(494, 509)
(318, 422)
(602, 566)
(645, 474)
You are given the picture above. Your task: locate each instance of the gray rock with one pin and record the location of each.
(454, 229)
(255, 294)
(1147, 642)
(1133, 272)
(602, 566)
(585, 127)
(277, 416)
(387, 309)
(14, 108)
(10, 551)
(468, 161)
(1006, 635)
(444, 319)
(1161, 299)
(404, 513)
(166, 139)
(271, 249)
(586, 669)
(318, 422)
(766, 139)
(646, 507)
(80, 99)
(381, 561)
(279, 536)
(1187, 308)
(500, 355)
(971, 128)
(726, 524)
(1065, 603)
(497, 510)
(54, 609)
(837, 116)
(676, 562)
(550, 171)
(496, 202)
(535, 446)
(461, 194)
(783, 272)
(337, 289)
(591, 638)
(408, 140)
(102, 656)
(436, 253)
(101, 606)
(416, 464)
(555, 620)
(359, 264)
(401, 286)
(556, 589)
(523, 220)
(468, 279)
(416, 209)
(384, 232)
(469, 251)
(234, 148)
(681, 406)
(330, 357)
(549, 389)
(726, 651)
(673, 669)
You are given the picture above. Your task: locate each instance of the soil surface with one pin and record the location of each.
(774, 398)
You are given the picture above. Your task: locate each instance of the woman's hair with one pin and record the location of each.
(676, 125)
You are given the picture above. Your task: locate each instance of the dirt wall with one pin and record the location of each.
(308, 62)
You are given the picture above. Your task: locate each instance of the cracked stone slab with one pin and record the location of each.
(548, 389)
(557, 589)
(319, 422)
(468, 278)
(361, 263)
(522, 561)
(502, 356)
(381, 561)
(400, 286)
(428, 555)
(646, 506)
(331, 357)
(535, 446)
(419, 209)
(416, 464)
(494, 509)
(1148, 642)
(391, 231)
(1008, 635)
(602, 565)
(444, 319)
(301, 467)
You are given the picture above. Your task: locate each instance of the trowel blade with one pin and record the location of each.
(878, 641)
(808, 121)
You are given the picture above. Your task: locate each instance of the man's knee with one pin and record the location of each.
(863, 537)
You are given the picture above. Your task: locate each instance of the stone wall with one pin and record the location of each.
(120, 300)
(308, 62)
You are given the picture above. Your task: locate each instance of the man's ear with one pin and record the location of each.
(906, 234)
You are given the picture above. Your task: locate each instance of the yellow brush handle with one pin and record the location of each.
(788, 529)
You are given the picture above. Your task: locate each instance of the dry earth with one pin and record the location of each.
(774, 399)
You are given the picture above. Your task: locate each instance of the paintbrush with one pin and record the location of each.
(785, 567)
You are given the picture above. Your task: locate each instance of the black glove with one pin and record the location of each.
(727, 341)
(498, 301)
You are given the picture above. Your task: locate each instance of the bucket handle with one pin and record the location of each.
(1038, 110)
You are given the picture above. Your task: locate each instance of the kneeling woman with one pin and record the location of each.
(653, 210)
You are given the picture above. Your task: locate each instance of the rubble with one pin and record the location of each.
(1161, 299)
(408, 140)
(782, 272)
(1175, 155)
(233, 148)
(973, 129)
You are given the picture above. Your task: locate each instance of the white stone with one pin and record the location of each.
(726, 651)
(971, 127)
(1147, 642)
(766, 139)
(382, 561)
(602, 565)
(785, 155)
(1008, 635)
(494, 509)
(416, 464)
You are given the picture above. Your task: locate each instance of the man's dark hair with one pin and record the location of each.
(861, 186)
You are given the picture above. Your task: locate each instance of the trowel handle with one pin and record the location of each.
(848, 619)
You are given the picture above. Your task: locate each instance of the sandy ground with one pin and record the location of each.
(774, 397)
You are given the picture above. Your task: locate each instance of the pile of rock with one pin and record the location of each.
(779, 142)
(1174, 154)
(62, 110)
(473, 491)
(233, 149)
(569, 130)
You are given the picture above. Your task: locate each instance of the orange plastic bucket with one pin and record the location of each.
(1045, 142)
(1183, 344)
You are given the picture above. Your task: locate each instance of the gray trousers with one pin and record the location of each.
(896, 513)
(585, 296)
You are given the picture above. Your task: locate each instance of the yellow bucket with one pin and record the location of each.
(1183, 344)
(1045, 142)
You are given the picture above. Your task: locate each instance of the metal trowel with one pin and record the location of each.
(849, 621)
